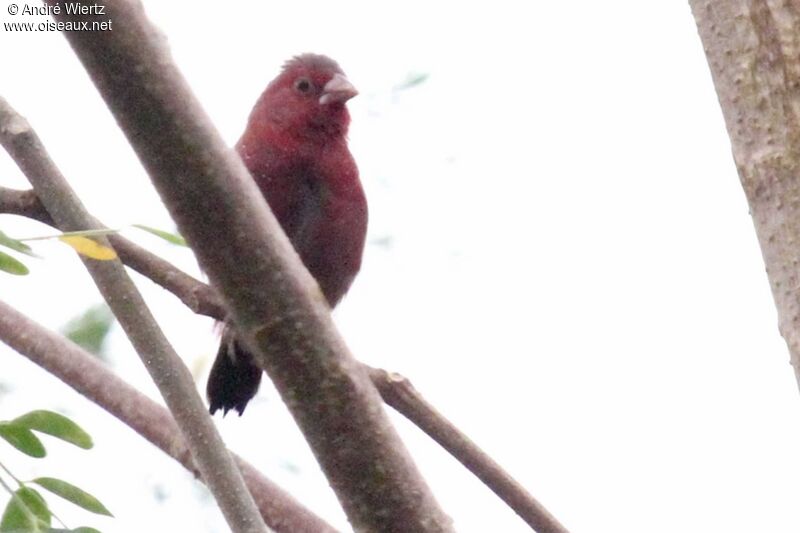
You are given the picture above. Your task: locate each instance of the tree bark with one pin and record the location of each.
(396, 391)
(753, 50)
(275, 304)
(173, 379)
(88, 376)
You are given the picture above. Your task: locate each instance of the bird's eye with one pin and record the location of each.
(302, 85)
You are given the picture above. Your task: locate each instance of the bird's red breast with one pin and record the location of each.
(295, 147)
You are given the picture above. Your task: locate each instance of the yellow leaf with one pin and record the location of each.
(89, 248)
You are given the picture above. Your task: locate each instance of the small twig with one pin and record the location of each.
(167, 370)
(21, 483)
(397, 391)
(6, 486)
(92, 379)
(14, 496)
(104, 232)
(11, 474)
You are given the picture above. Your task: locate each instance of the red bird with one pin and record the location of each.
(295, 147)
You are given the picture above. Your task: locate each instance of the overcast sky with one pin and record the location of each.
(561, 259)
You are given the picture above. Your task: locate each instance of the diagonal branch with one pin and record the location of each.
(276, 305)
(398, 392)
(395, 391)
(92, 379)
(165, 367)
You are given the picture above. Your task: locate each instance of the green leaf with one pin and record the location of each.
(14, 244)
(57, 425)
(167, 236)
(26, 512)
(12, 266)
(73, 494)
(22, 438)
(91, 328)
(412, 80)
(84, 529)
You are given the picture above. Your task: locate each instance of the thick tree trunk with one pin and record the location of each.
(753, 49)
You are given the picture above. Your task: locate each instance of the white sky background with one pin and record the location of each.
(572, 275)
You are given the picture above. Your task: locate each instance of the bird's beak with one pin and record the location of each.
(339, 89)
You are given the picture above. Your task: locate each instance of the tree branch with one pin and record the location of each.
(751, 47)
(92, 379)
(196, 295)
(202, 299)
(276, 305)
(24, 203)
(395, 390)
(170, 375)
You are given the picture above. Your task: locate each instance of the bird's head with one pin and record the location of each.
(307, 100)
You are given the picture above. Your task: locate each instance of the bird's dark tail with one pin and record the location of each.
(234, 378)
